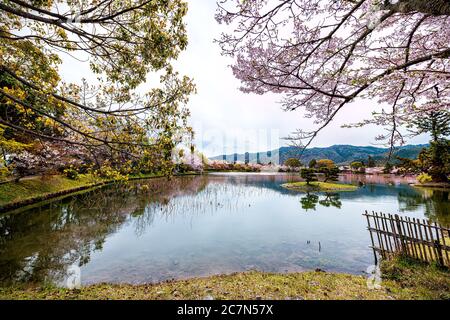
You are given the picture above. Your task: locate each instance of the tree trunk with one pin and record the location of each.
(432, 7)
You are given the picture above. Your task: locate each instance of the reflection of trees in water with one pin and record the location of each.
(220, 195)
(377, 179)
(310, 201)
(260, 181)
(435, 203)
(40, 245)
(331, 200)
(161, 197)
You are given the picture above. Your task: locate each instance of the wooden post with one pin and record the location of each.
(396, 241)
(445, 244)
(407, 237)
(371, 238)
(433, 243)
(425, 230)
(390, 234)
(385, 230)
(412, 238)
(438, 247)
(379, 235)
(422, 245)
(400, 234)
(416, 236)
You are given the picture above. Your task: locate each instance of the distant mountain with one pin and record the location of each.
(340, 154)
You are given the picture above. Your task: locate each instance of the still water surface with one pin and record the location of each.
(156, 229)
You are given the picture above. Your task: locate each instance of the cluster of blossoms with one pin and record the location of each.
(217, 165)
(195, 160)
(323, 55)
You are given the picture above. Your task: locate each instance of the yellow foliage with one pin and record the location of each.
(5, 171)
(424, 178)
(325, 163)
(10, 145)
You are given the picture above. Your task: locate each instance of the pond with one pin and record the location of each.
(154, 230)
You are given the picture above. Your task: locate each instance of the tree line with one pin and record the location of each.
(432, 163)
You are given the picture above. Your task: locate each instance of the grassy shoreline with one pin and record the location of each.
(29, 191)
(433, 186)
(402, 280)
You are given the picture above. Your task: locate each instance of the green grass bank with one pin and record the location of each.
(402, 279)
(31, 190)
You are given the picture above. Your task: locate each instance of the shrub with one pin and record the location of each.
(309, 175)
(387, 168)
(109, 173)
(325, 163)
(293, 162)
(356, 165)
(312, 163)
(5, 171)
(183, 168)
(424, 178)
(331, 174)
(71, 173)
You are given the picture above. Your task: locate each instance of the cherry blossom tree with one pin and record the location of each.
(323, 55)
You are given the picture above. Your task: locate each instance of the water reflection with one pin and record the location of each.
(331, 200)
(434, 203)
(159, 229)
(310, 200)
(39, 245)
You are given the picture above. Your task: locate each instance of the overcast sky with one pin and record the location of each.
(227, 120)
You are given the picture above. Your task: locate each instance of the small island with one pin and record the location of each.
(311, 183)
(319, 186)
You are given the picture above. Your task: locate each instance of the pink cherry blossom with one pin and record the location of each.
(322, 55)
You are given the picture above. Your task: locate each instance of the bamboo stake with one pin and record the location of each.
(430, 251)
(396, 242)
(416, 234)
(406, 237)
(432, 240)
(413, 242)
(445, 245)
(371, 238)
(391, 235)
(400, 233)
(380, 238)
(438, 246)
(421, 238)
(386, 237)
